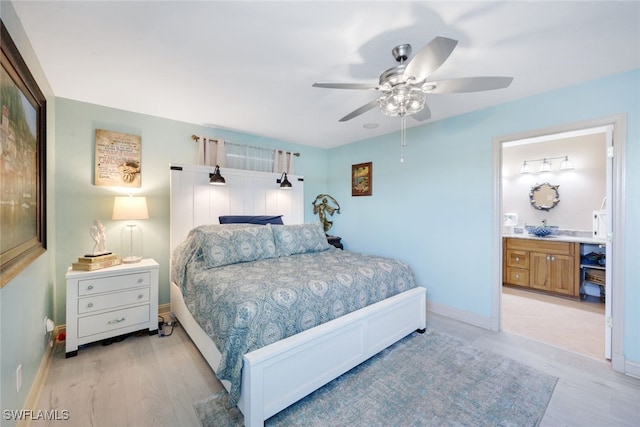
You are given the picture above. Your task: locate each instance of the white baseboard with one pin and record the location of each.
(632, 369)
(457, 314)
(31, 402)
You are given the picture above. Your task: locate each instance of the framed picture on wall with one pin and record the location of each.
(118, 159)
(361, 179)
(22, 163)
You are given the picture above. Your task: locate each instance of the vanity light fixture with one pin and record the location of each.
(545, 166)
(284, 182)
(525, 168)
(566, 164)
(215, 178)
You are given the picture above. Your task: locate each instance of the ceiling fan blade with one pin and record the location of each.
(361, 110)
(430, 58)
(361, 86)
(470, 84)
(423, 114)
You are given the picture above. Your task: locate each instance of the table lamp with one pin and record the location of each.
(131, 208)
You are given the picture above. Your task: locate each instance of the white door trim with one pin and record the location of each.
(619, 124)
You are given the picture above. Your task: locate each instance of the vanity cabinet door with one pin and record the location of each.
(562, 274)
(551, 272)
(539, 271)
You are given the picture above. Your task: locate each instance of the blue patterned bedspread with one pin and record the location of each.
(248, 305)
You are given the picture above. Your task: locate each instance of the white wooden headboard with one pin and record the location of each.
(195, 202)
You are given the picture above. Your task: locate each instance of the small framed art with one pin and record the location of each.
(118, 159)
(361, 182)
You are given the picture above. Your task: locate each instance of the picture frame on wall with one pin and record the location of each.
(361, 179)
(118, 161)
(22, 163)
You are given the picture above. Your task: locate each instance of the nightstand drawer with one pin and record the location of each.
(112, 300)
(112, 283)
(113, 320)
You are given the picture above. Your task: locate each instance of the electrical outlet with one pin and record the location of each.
(18, 378)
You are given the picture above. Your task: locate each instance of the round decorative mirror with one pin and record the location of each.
(544, 196)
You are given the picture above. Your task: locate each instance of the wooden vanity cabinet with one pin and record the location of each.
(543, 265)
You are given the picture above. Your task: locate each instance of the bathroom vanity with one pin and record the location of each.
(542, 264)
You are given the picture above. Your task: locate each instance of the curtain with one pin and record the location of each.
(211, 152)
(240, 156)
(283, 162)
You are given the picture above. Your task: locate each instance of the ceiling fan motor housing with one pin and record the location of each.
(401, 52)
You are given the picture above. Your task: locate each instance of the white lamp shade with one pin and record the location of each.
(130, 208)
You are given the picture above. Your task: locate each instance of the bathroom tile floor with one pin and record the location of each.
(570, 324)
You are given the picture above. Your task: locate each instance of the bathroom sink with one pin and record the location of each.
(542, 230)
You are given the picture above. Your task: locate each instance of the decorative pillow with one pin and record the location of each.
(250, 219)
(300, 239)
(226, 245)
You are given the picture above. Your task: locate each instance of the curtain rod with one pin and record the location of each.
(196, 138)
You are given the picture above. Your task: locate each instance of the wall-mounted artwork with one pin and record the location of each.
(22, 163)
(361, 179)
(118, 159)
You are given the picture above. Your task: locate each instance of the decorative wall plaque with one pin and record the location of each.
(118, 159)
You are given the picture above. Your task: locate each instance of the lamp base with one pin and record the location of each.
(131, 259)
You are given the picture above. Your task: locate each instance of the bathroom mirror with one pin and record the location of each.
(544, 196)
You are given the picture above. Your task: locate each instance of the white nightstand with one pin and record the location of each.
(110, 302)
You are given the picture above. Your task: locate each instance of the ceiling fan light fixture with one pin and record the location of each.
(402, 100)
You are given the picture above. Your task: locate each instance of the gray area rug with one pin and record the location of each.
(430, 379)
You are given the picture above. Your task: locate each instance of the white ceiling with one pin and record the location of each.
(249, 65)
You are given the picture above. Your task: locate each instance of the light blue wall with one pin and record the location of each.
(434, 211)
(164, 141)
(27, 298)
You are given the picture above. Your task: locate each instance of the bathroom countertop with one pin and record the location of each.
(557, 238)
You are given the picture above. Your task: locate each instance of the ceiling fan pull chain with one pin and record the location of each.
(403, 136)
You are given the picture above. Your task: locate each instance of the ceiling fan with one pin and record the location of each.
(404, 88)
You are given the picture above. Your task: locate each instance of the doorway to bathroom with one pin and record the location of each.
(580, 321)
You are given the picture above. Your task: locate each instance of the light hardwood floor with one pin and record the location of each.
(567, 323)
(152, 381)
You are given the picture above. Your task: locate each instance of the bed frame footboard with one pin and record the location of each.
(282, 373)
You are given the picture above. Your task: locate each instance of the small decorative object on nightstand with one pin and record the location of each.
(335, 241)
(322, 207)
(110, 302)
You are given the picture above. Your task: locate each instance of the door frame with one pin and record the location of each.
(619, 124)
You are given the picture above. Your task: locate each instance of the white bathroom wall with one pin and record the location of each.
(581, 190)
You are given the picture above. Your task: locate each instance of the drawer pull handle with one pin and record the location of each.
(90, 305)
(517, 258)
(517, 276)
(111, 322)
(90, 287)
(140, 280)
(140, 296)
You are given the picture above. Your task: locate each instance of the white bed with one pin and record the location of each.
(277, 375)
